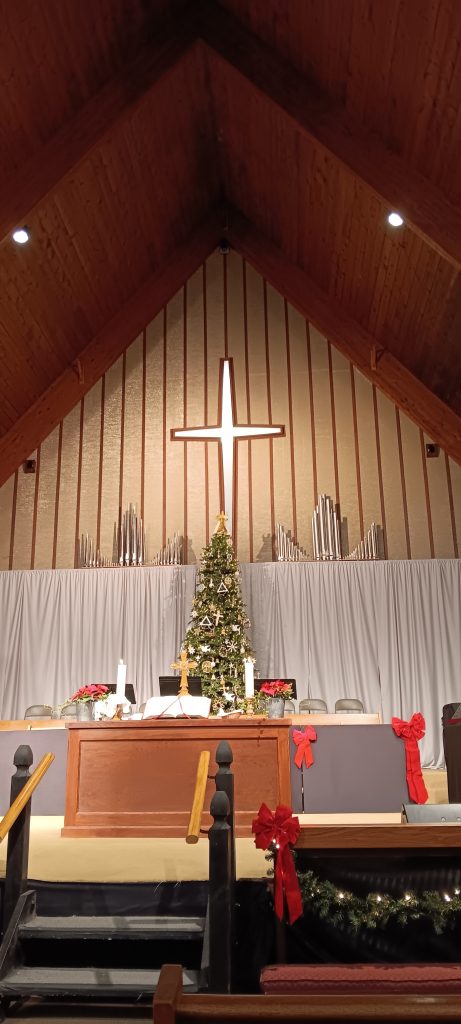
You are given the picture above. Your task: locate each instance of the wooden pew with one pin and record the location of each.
(172, 1006)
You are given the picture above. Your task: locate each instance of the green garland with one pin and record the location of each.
(344, 909)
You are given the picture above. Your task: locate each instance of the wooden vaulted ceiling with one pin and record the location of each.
(134, 135)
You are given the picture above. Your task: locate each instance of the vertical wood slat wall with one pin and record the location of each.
(343, 438)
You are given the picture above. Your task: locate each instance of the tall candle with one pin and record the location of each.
(249, 678)
(121, 679)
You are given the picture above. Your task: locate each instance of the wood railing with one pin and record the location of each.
(193, 831)
(24, 795)
(217, 959)
(16, 824)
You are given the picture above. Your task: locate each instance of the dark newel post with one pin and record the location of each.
(220, 896)
(18, 838)
(224, 781)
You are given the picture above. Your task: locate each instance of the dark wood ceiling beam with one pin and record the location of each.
(411, 396)
(38, 422)
(100, 115)
(424, 208)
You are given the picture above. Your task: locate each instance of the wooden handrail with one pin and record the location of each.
(18, 805)
(193, 830)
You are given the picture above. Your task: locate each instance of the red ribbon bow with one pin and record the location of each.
(281, 828)
(303, 738)
(411, 732)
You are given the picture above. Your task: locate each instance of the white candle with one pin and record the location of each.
(121, 679)
(249, 678)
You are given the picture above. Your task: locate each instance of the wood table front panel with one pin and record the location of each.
(138, 778)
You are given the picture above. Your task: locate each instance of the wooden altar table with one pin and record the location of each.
(138, 778)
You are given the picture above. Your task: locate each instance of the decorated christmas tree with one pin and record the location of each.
(216, 638)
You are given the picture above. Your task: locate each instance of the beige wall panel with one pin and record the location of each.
(46, 502)
(153, 465)
(284, 484)
(261, 505)
(24, 518)
(414, 483)
(110, 484)
(437, 481)
(132, 435)
(195, 417)
(392, 485)
(215, 352)
(174, 508)
(322, 414)
(65, 540)
(345, 448)
(6, 512)
(236, 349)
(455, 477)
(90, 462)
(368, 452)
(302, 436)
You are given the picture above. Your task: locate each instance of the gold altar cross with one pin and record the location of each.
(184, 666)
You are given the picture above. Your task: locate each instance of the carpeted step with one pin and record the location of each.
(98, 981)
(117, 927)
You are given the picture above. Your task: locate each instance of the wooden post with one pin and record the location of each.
(224, 781)
(220, 896)
(18, 838)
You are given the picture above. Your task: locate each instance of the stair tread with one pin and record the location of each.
(54, 980)
(114, 924)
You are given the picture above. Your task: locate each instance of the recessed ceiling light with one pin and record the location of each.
(21, 236)
(395, 219)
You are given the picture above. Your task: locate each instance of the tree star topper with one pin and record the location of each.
(228, 432)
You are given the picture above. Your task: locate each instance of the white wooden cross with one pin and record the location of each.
(228, 433)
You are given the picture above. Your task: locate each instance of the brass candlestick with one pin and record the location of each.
(250, 705)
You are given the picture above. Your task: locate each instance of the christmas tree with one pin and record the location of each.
(216, 637)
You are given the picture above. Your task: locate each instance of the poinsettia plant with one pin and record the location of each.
(276, 689)
(94, 691)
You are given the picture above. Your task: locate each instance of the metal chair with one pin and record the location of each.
(349, 705)
(69, 710)
(290, 707)
(312, 704)
(38, 711)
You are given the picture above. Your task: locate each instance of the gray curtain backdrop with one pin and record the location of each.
(386, 632)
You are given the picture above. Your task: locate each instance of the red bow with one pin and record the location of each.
(281, 828)
(411, 732)
(303, 738)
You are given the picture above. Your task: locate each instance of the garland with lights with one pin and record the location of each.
(344, 909)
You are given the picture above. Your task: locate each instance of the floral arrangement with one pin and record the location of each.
(276, 689)
(94, 692)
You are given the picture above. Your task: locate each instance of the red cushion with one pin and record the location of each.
(344, 978)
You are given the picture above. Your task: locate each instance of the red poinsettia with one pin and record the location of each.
(276, 689)
(94, 691)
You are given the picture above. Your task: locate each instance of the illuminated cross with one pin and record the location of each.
(228, 433)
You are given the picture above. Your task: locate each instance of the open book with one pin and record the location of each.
(177, 707)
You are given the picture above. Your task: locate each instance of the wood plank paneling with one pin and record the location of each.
(154, 462)
(227, 300)
(46, 502)
(68, 490)
(7, 520)
(260, 524)
(89, 493)
(215, 346)
(174, 416)
(345, 448)
(195, 416)
(235, 314)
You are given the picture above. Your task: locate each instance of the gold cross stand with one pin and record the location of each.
(184, 666)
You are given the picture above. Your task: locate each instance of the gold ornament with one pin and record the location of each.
(206, 667)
